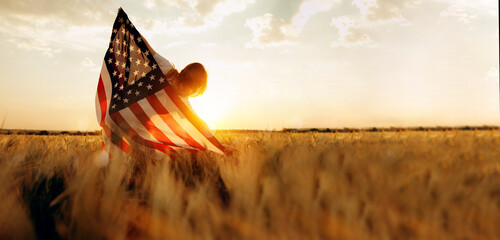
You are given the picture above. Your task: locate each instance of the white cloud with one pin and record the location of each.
(89, 65)
(175, 44)
(64, 12)
(381, 11)
(350, 33)
(326, 64)
(197, 15)
(373, 13)
(492, 74)
(470, 7)
(34, 45)
(269, 31)
(459, 11)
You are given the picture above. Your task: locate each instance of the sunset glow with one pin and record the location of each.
(271, 64)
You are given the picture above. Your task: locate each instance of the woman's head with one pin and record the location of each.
(192, 80)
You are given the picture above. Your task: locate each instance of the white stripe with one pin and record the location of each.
(106, 80)
(159, 123)
(97, 107)
(184, 122)
(136, 124)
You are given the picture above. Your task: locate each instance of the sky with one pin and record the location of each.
(271, 63)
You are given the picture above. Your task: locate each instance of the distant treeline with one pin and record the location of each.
(300, 130)
(45, 132)
(390, 129)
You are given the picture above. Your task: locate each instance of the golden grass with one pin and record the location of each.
(369, 185)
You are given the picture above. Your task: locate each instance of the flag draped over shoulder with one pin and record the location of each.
(135, 105)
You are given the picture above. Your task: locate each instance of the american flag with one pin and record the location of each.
(135, 105)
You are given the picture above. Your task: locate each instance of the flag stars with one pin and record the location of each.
(116, 84)
(131, 59)
(146, 64)
(123, 31)
(111, 50)
(118, 52)
(114, 74)
(110, 60)
(140, 84)
(143, 74)
(117, 63)
(115, 31)
(147, 52)
(114, 106)
(117, 41)
(136, 72)
(120, 76)
(121, 88)
(115, 96)
(138, 51)
(139, 39)
(125, 100)
(137, 93)
(132, 47)
(154, 66)
(129, 92)
(161, 80)
(125, 54)
(149, 87)
(138, 62)
(152, 77)
(123, 65)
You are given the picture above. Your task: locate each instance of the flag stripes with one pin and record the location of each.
(136, 107)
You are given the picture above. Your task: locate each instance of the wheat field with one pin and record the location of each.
(365, 185)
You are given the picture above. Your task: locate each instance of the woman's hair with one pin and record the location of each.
(192, 80)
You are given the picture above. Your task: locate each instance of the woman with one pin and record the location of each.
(190, 82)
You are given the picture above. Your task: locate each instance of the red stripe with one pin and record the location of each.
(197, 122)
(102, 100)
(170, 121)
(120, 121)
(149, 125)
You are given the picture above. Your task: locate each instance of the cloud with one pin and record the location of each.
(88, 65)
(492, 74)
(460, 12)
(42, 12)
(175, 44)
(197, 15)
(34, 45)
(372, 13)
(47, 26)
(380, 11)
(85, 25)
(351, 33)
(457, 8)
(269, 31)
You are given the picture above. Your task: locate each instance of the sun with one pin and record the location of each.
(210, 107)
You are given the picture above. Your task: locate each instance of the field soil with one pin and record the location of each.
(294, 185)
